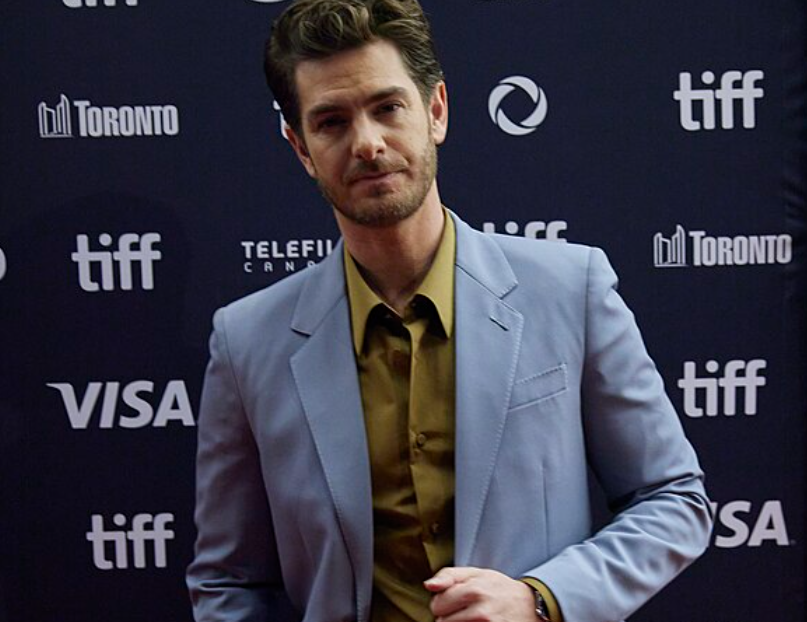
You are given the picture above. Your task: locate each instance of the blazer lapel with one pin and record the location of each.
(324, 370)
(488, 340)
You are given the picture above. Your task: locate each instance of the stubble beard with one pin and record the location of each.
(385, 213)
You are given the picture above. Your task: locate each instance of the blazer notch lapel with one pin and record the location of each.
(322, 290)
(324, 371)
(488, 344)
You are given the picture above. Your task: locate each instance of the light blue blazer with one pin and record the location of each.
(552, 377)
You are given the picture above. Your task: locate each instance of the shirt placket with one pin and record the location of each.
(423, 475)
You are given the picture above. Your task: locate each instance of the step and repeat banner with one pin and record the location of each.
(147, 181)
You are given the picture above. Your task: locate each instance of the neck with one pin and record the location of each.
(394, 260)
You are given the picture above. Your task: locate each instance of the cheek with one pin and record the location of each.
(324, 164)
(335, 157)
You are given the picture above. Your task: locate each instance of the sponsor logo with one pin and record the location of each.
(728, 93)
(715, 394)
(707, 251)
(3, 264)
(551, 230)
(670, 252)
(105, 121)
(500, 118)
(55, 122)
(739, 523)
(129, 546)
(80, 4)
(132, 249)
(129, 406)
(269, 256)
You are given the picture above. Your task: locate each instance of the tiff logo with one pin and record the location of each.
(727, 95)
(737, 375)
(132, 249)
(3, 264)
(146, 528)
(55, 122)
(551, 230)
(670, 252)
(78, 4)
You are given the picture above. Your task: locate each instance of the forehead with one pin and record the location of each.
(351, 75)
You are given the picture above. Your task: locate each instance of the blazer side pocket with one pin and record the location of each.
(539, 387)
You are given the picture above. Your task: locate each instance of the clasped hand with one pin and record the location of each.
(479, 595)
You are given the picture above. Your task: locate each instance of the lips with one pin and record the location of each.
(376, 173)
(374, 176)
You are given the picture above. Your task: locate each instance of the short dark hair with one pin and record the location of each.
(314, 29)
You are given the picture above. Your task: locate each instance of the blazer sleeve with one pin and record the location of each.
(647, 468)
(235, 573)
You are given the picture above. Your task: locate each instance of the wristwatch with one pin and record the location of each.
(541, 610)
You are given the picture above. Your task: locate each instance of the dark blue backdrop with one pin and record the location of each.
(146, 183)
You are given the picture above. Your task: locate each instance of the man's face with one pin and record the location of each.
(366, 135)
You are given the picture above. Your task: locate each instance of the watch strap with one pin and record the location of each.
(541, 608)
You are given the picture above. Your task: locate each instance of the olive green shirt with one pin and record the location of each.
(406, 374)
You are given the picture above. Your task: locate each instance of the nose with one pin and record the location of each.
(368, 139)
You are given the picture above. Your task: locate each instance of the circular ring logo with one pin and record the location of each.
(535, 118)
(2, 264)
(268, 1)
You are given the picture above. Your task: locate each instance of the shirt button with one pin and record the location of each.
(420, 440)
(400, 362)
(435, 529)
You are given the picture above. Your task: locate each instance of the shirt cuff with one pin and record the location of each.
(551, 604)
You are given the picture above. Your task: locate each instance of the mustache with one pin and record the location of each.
(376, 167)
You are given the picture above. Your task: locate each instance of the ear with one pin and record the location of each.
(438, 113)
(298, 144)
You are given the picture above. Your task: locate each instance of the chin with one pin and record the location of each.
(384, 214)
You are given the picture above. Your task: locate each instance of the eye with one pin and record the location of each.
(330, 123)
(389, 107)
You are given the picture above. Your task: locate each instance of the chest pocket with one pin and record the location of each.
(539, 387)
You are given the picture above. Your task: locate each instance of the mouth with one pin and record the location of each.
(375, 177)
(372, 177)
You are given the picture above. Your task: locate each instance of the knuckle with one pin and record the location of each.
(473, 594)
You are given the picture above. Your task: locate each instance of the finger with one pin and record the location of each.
(444, 579)
(448, 576)
(454, 599)
(438, 583)
(474, 613)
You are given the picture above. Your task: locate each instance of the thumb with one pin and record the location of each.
(445, 578)
(439, 582)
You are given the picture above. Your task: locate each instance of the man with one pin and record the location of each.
(403, 432)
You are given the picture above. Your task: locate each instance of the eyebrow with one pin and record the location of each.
(329, 107)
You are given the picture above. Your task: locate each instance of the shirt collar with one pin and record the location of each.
(437, 286)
